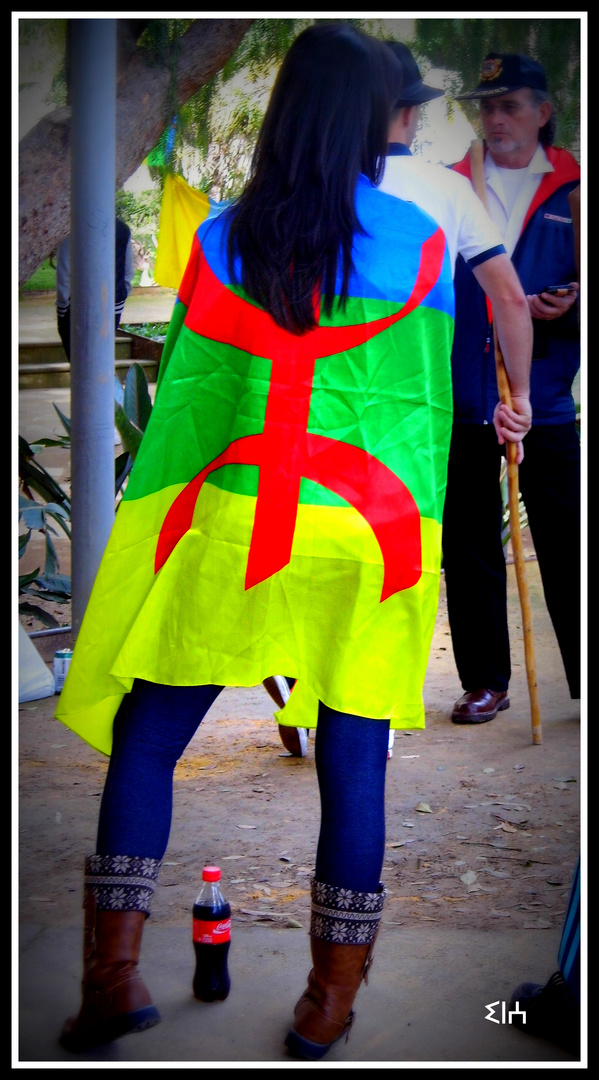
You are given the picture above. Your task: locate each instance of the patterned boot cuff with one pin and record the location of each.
(344, 915)
(121, 882)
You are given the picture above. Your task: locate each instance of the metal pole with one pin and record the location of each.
(93, 159)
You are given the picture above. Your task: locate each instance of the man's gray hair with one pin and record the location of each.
(547, 132)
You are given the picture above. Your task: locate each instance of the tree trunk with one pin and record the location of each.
(143, 112)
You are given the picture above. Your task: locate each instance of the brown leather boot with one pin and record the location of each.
(324, 1012)
(115, 1000)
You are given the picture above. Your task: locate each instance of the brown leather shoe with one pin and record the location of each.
(478, 706)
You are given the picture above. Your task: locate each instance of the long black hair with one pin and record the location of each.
(326, 122)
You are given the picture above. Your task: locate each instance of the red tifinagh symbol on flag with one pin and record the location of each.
(285, 451)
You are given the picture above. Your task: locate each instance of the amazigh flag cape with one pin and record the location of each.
(284, 511)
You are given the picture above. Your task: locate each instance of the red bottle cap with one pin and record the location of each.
(211, 873)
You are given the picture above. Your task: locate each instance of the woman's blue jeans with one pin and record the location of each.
(154, 725)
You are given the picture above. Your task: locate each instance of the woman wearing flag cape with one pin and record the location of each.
(284, 514)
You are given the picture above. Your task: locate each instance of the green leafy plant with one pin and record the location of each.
(132, 410)
(51, 507)
(44, 504)
(154, 331)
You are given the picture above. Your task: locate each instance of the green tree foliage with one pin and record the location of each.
(211, 136)
(457, 45)
(215, 118)
(221, 122)
(460, 45)
(141, 212)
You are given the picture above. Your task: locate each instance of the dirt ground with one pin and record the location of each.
(482, 826)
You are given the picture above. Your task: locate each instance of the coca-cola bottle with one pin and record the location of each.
(211, 939)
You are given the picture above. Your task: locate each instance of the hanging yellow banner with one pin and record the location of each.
(183, 210)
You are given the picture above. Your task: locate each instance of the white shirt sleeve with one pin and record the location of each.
(450, 201)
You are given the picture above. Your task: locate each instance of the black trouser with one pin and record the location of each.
(473, 555)
(550, 486)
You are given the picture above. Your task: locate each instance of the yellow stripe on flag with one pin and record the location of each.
(195, 622)
(301, 710)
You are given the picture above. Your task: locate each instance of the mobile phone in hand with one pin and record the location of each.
(557, 290)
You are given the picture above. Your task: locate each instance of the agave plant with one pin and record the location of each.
(44, 504)
(132, 409)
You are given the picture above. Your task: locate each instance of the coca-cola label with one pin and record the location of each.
(211, 933)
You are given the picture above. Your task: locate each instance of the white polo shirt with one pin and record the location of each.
(450, 201)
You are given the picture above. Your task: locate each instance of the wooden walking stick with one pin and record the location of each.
(478, 183)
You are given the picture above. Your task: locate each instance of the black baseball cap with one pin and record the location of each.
(413, 91)
(503, 72)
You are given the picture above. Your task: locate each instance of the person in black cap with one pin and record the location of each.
(413, 90)
(447, 197)
(528, 187)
